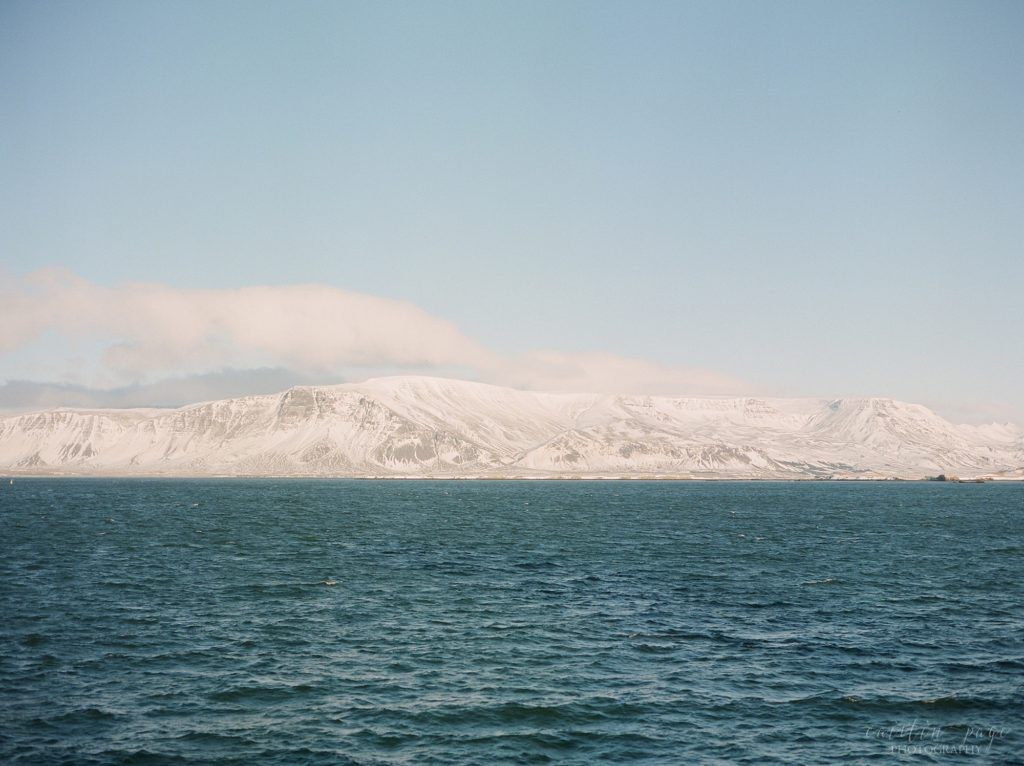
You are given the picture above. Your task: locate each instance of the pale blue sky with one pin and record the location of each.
(822, 198)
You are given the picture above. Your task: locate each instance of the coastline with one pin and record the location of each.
(518, 477)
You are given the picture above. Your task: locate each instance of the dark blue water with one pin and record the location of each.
(510, 622)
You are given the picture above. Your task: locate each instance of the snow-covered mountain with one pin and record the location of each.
(417, 426)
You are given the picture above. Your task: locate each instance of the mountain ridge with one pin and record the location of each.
(410, 426)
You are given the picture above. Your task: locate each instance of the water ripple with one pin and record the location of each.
(346, 622)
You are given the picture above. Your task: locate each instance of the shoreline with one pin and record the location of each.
(519, 478)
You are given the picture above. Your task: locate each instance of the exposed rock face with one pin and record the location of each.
(412, 426)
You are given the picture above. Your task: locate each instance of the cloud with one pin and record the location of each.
(610, 373)
(158, 344)
(155, 329)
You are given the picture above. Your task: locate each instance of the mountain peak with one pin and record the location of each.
(414, 425)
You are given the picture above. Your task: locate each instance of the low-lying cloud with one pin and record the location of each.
(155, 329)
(163, 342)
(611, 373)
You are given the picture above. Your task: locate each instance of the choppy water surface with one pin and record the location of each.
(183, 621)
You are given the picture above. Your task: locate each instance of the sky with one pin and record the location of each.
(694, 198)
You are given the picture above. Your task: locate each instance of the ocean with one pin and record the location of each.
(265, 621)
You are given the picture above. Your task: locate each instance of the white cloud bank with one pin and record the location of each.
(159, 329)
(610, 373)
(150, 332)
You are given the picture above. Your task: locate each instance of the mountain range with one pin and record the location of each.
(434, 427)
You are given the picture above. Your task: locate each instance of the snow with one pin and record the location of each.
(420, 426)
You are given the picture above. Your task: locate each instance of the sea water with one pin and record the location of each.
(476, 622)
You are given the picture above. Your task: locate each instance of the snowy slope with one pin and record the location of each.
(417, 426)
